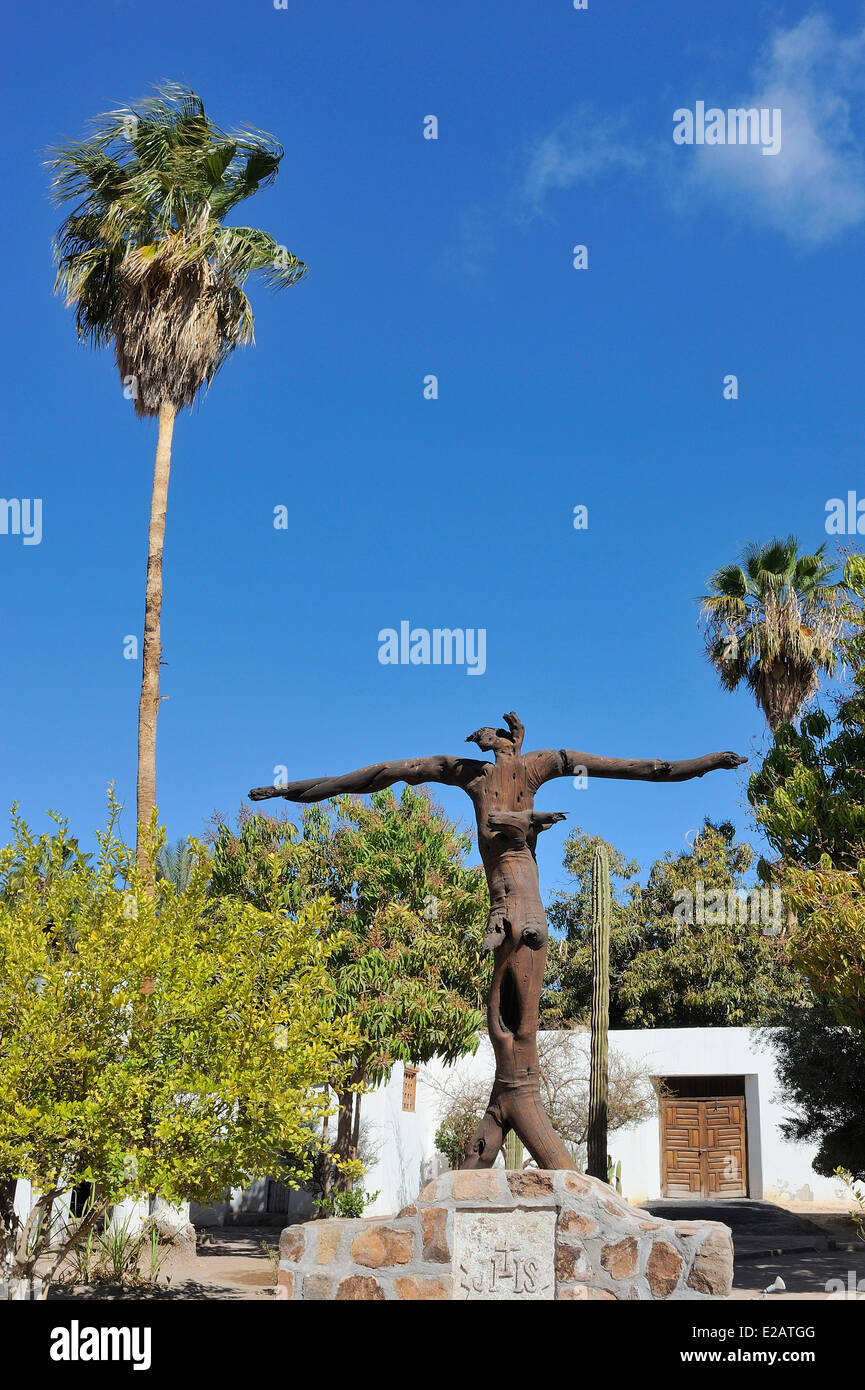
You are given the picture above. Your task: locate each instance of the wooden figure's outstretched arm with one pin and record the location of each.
(566, 762)
(454, 772)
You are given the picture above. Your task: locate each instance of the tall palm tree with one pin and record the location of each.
(147, 263)
(773, 621)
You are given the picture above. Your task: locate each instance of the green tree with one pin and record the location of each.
(731, 968)
(174, 862)
(808, 796)
(408, 971)
(772, 622)
(173, 1043)
(148, 264)
(809, 800)
(821, 1068)
(669, 968)
(568, 984)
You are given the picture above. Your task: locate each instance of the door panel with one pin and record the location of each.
(725, 1147)
(682, 1175)
(703, 1147)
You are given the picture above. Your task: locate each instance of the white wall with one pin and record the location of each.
(776, 1167)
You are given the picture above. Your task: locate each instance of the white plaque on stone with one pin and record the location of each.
(504, 1254)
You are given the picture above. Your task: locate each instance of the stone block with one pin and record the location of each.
(663, 1269)
(475, 1185)
(435, 1241)
(504, 1254)
(360, 1287)
(329, 1240)
(379, 1246)
(621, 1258)
(573, 1225)
(530, 1182)
(712, 1272)
(292, 1243)
(571, 1263)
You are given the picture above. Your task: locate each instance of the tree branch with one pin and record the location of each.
(438, 768)
(566, 762)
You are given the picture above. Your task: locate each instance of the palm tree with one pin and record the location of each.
(148, 265)
(773, 621)
(174, 862)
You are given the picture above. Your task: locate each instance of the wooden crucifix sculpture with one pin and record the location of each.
(503, 793)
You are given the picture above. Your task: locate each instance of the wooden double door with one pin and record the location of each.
(703, 1147)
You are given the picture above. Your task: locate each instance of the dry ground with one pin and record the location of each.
(231, 1263)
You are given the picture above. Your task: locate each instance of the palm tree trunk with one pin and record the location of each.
(148, 706)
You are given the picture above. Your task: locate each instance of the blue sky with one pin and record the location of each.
(557, 387)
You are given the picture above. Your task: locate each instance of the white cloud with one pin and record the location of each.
(580, 148)
(814, 189)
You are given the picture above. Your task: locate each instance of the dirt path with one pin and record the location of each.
(231, 1263)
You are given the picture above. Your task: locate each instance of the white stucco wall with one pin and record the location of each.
(776, 1167)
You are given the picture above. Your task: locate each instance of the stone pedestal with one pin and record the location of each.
(498, 1234)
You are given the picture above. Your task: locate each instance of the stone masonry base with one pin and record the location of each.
(500, 1234)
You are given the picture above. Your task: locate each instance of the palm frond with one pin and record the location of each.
(144, 258)
(774, 621)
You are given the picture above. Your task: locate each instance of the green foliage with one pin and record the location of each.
(407, 966)
(772, 623)
(821, 1068)
(174, 862)
(809, 799)
(122, 1252)
(857, 1215)
(809, 795)
(568, 983)
(170, 1043)
(410, 971)
(666, 972)
(828, 943)
(352, 1203)
(454, 1134)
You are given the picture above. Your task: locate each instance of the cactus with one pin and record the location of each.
(513, 1150)
(599, 1074)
